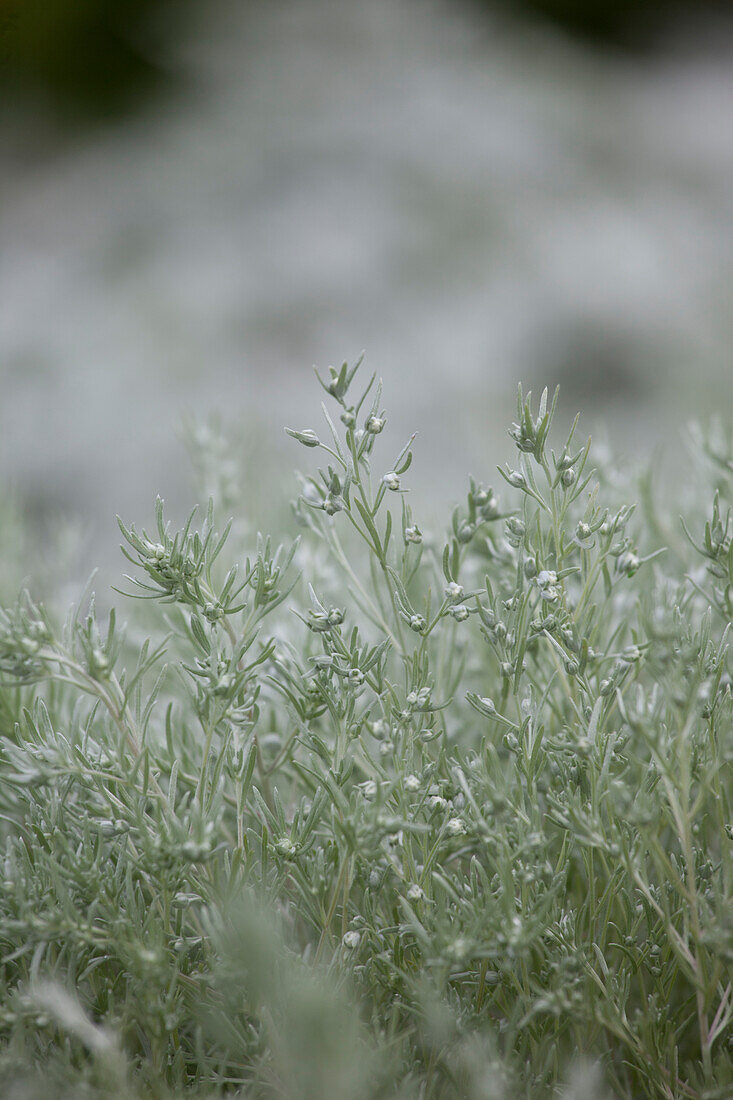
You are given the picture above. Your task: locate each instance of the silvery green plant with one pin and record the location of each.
(388, 811)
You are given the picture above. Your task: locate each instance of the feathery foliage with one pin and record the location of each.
(381, 813)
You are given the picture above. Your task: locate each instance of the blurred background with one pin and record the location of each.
(199, 201)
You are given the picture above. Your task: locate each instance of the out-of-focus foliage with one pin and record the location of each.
(632, 24)
(91, 56)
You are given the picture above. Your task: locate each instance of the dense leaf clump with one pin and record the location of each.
(384, 813)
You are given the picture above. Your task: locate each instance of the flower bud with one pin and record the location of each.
(391, 481)
(224, 684)
(374, 425)
(285, 847)
(98, 663)
(307, 437)
(628, 563)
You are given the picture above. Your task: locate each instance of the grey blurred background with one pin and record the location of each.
(198, 202)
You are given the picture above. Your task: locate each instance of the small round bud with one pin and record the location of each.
(530, 568)
(224, 684)
(99, 663)
(415, 892)
(418, 624)
(517, 479)
(391, 481)
(307, 437)
(459, 613)
(628, 563)
(413, 534)
(412, 783)
(455, 827)
(568, 477)
(213, 611)
(454, 591)
(318, 622)
(355, 677)
(351, 940)
(378, 729)
(374, 425)
(285, 847)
